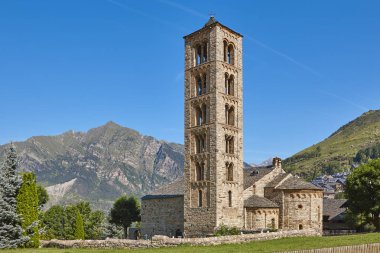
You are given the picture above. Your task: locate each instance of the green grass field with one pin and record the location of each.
(286, 244)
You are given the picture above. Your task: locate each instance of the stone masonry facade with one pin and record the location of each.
(216, 189)
(213, 129)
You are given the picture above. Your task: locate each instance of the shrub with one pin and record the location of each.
(225, 230)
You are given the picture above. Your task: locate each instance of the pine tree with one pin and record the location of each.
(79, 228)
(10, 222)
(27, 208)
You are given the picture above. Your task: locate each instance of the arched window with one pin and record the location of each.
(230, 115)
(230, 85)
(204, 111)
(204, 52)
(230, 171)
(200, 196)
(199, 116)
(300, 227)
(225, 49)
(200, 171)
(200, 143)
(229, 144)
(204, 84)
(198, 56)
(273, 225)
(229, 198)
(230, 54)
(226, 88)
(199, 86)
(226, 113)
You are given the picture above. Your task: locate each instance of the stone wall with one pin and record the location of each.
(164, 241)
(162, 216)
(303, 209)
(259, 185)
(261, 218)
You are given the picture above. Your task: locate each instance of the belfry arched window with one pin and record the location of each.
(200, 143)
(225, 49)
(199, 116)
(231, 85)
(200, 171)
(204, 55)
(204, 91)
(229, 140)
(198, 57)
(230, 171)
(199, 86)
(230, 115)
(200, 198)
(230, 54)
(204, 111)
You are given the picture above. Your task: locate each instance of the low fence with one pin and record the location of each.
(365, 248)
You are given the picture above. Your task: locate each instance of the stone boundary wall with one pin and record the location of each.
(365, 248)
(164, 241)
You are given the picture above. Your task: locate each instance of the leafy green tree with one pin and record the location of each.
(363, 191)
(61, 222)
(54, 222)
(125, 210)
(93, 220)
(70, 222)
(79, 228)
(27, 208)
(43, 196)
(10, 223)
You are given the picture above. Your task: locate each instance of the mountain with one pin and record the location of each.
(337, 152)
(264, 163)
(99, 165)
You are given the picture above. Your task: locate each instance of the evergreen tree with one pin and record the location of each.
(92, 220)
(79, 228)
(10, 222)
(27, 208)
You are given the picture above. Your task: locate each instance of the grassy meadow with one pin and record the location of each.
(286, 244)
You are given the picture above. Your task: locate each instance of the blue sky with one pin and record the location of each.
(309, 67)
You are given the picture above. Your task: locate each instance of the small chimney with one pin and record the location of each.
(276, 163)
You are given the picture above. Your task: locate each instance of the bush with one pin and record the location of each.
(225, 230)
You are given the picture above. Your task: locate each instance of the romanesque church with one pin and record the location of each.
(216, 189)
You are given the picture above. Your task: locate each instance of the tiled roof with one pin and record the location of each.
(294, 183)
(259, 202)
(211, 23)
(174, 188)
(146, 197)
(333, 208)
(251, 176)
(278, 180)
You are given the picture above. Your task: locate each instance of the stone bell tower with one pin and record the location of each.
(213, 129)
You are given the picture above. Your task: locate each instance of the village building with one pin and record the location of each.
(216, 189)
